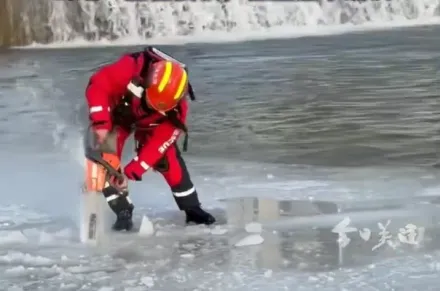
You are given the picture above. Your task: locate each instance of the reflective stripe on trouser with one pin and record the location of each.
(173, 169)
(117, 201)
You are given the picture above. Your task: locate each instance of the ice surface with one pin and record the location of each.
(299, 250)
(11, 237)
(147, 281)
(177, 260)
(218, 230)
(268, 273)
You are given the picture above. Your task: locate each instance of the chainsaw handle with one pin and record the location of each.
(93, 152)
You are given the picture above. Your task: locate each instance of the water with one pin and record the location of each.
(347, 120)
(344, 100)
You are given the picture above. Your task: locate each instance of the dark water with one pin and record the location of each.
(354, 99)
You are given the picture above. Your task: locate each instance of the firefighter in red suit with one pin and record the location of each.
(145, 93)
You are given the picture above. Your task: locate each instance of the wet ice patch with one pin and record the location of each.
(92, 269)
(15, 271)
(15, 215)
(20, 225)
(286, 185)
(12, 237)
(147, 281)
(47, 238)
(218, 230)
(32, 272)
(195, 230)
(69, 286)
(250, 240)
(18, 258)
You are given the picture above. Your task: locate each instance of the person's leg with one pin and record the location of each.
(119, 202)
(173, 169)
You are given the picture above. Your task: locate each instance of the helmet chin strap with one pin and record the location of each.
(138, 91)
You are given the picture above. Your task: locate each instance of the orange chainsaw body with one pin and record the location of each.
(96, 175)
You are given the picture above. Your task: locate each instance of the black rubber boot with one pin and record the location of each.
(199, 216)
(121, 206)
(124, 220)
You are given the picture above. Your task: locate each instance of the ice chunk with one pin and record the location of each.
(187, 256)
(250, 240)
(16, 271)
(253, 227)
(69, 286)
(147, 281)
(147, 228)
(268, 273)
(162, 233)
(26, 259)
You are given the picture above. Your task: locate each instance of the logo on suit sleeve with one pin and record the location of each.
(169, 142)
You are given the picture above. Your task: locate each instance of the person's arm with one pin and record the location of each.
(104, 85)
(163, 136)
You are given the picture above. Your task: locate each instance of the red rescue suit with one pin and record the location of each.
(154, 132)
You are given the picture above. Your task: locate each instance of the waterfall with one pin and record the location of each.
(58, 21)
